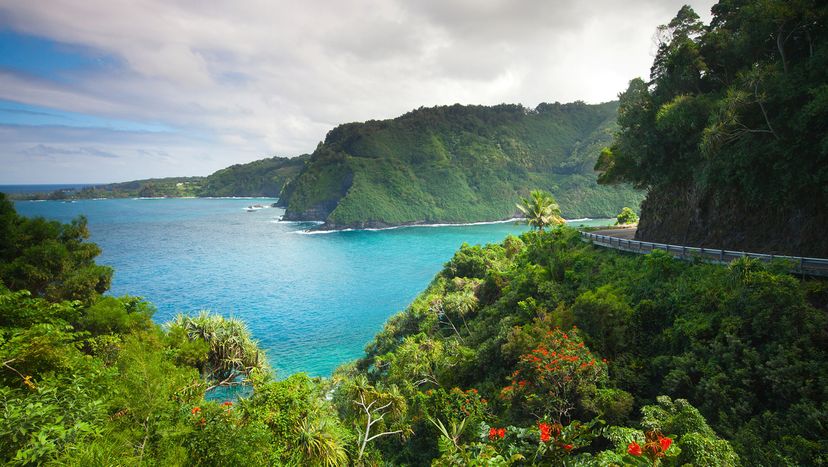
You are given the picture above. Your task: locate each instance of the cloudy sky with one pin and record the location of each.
(112, 90)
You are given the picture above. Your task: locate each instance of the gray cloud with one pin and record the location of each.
(41, 150)
(238, 80)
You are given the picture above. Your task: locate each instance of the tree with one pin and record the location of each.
(541, 210)
(552, 378)
(626, 216)
(367, 406)
(50, 259)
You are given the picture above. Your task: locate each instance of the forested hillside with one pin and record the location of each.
(730, 134)
(457, 164)
(546, 329)
(265, 177)
(542, 350)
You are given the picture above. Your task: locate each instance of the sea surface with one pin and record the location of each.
(312, 300)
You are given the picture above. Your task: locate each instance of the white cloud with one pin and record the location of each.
(240, 80)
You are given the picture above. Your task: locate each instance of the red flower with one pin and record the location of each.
(227, 403)
(501, 432)
(545, 430)
(195, 410)
(665, 443)
(634, 449)
(492, 433)
(568, 447)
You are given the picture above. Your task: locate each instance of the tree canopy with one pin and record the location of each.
(734, 116)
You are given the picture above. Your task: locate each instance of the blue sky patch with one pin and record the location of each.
(15, 113)
(49, 59)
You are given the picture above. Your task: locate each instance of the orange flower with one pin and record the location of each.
(568, 447)
(665, 443)
(634, 449)
(545, 430)
(501, 432)
(227, 403)
(195, 410)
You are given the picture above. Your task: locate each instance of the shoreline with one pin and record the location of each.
(321, 230)
(139, 198)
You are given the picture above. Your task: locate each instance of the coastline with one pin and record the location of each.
(30, 199)
(327, 229)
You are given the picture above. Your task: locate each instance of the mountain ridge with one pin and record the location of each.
(457, 164)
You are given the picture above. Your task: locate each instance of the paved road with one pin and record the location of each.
(626, 233)
(622, 239)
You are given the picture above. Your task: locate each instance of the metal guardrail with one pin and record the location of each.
(800, 265)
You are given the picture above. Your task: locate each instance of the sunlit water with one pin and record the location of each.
(312, 301)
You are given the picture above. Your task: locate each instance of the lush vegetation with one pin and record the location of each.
(458, 164)
(626, 217)
(540, 350)
(545, 336)
(732, 122)
(264, 177)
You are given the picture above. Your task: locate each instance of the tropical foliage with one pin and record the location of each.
(540, 350)
(626, 217)
(568, 342)
(232, 354)
(540, 210)
(731, 123)
(47, 258)
(543, 349)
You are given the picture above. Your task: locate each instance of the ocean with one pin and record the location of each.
(313, 301)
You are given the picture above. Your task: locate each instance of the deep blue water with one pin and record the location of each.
(312, 301)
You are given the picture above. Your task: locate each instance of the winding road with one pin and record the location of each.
(622, 239)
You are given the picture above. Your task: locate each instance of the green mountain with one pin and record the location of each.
(265, 177)
(457, 164)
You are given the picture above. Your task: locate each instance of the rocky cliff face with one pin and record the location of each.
(687, 215)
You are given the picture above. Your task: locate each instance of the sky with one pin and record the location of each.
(95, 91)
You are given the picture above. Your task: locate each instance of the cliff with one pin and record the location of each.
(457, 164)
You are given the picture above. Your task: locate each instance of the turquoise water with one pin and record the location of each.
(313, 301)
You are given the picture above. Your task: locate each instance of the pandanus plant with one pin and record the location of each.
(232, 354)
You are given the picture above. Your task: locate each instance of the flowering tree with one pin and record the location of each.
(652, 452)
(555, 373)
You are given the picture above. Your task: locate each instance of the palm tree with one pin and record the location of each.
(541, 210)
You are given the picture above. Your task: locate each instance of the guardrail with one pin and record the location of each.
(800, 265)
